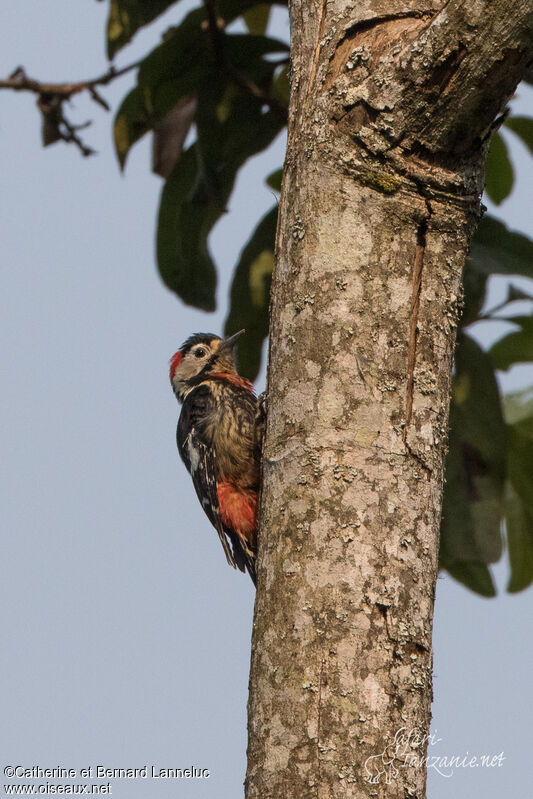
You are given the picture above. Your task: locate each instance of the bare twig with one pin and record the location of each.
(20, 82)
(50, 99)
(70, 135)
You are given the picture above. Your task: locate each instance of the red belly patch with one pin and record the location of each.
(238, 509)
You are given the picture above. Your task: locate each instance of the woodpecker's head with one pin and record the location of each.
(202, 355)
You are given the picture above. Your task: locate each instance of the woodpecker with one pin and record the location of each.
(219, 439)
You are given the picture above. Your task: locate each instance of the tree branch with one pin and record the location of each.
(50, 99)
(18, 81)
(443, 95)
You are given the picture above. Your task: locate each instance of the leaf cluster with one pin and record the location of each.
(489, 467)
(234, 80)
(234, 86)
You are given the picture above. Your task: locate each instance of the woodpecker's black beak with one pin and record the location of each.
(230, 342)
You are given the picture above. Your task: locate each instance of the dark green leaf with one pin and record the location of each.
(185, 220)
(475, 468)
(197, 191)
(244, 49)
(274, 179)
(514, 294)
(518, 406)
(181, 57)
(472, 510)
(519, 490)
(497, 250)
(474, 287)
(142, 111)
(523, 127)
(256, 18)
(189, 43)
(170, 134)
(127, 16)
(226, 140)
(521, 463)
(477, 405)
(499, 177)
(519, 526)
(528, 75)
(133, 120)
(231, 126)
(281, 87)
(516, 347)
(173, 70)
(475, 576)
(250, 295)
(180, 66)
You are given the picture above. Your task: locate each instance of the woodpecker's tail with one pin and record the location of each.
(238, 511)
(243, 556)
(250, 566)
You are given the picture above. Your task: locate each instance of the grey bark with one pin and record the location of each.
(390, 117)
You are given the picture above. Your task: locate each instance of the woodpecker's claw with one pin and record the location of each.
(263, 404)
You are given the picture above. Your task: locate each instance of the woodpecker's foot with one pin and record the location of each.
(262, 406)
(260, 419)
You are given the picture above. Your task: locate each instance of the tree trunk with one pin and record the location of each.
(390, 116)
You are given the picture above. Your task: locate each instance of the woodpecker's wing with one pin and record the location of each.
(200, 460)
(204, 473)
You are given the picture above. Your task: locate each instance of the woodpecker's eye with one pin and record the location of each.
(199, 352)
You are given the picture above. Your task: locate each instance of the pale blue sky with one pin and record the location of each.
(126, 637)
